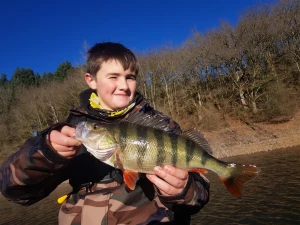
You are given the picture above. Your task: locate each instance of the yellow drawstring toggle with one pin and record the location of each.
(61, 199)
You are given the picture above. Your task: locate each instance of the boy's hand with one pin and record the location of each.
(63, 141)
(169, 180)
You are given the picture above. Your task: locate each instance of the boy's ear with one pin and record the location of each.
(90, 80)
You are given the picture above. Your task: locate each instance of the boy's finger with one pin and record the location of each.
(62, 139)
(61, 148)
(165, 188)
(174, 181)
(68, 154)
(176, 172)
(68, 131)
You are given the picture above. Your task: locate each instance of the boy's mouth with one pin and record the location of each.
(122, 95)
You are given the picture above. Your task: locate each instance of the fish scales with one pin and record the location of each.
(121, 135)
(174, 147)
(190, 149)
(141, 133)
(130, 152)
(146, 152)
(136, 151)
(145, 148)
(182, 153)
(130, 156)
(169, 149)
(161, 154)
(155, 154)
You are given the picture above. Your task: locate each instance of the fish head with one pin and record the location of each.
(97, 139)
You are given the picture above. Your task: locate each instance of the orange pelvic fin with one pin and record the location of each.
(198, 170)
(130, 178)
(242, 174)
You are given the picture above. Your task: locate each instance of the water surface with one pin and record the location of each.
(271, 198)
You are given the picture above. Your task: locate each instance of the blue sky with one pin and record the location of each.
(42, 34)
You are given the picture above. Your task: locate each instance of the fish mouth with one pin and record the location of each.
(81, 131)
(99, 149)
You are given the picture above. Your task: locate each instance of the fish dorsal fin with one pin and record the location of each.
(195, 136)
(147, 120)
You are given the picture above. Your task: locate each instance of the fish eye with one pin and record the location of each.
(95, 126)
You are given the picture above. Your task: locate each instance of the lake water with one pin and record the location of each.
(271, 198)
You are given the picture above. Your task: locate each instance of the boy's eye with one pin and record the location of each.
(131, 78)
(112, 77)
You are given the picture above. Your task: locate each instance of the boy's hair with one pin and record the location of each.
(103, 52)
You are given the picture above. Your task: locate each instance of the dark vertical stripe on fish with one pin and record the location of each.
(142, 147)
(204, 158)
(174, 142)
(123, 135)
(160, 147)
(190, 150)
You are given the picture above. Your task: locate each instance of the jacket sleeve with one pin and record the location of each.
(196, 193)
(33, 172)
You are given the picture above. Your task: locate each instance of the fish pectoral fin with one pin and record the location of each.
(130, 178)
(198, 170)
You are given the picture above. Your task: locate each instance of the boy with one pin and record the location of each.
(99, 195)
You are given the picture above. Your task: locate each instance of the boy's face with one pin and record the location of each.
(115, 86)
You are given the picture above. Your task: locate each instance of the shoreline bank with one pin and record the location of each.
(241, 139)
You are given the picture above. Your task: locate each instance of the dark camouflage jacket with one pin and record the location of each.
(99, 195)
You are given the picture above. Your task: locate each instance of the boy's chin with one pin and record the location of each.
(120, 106)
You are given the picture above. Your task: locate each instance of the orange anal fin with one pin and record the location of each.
(198, 170)
(130, 178)
(234, 187)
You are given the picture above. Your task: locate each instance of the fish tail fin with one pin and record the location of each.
(241, 174)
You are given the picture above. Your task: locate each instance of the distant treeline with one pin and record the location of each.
(249, 72)
(26, 77)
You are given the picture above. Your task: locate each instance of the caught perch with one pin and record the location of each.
(138, 149)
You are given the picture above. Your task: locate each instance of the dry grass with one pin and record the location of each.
(241, 138)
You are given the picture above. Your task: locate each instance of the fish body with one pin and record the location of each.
(138, 149)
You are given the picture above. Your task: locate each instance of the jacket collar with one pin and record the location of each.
(102, 113)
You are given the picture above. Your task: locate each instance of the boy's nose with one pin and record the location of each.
(122, 84)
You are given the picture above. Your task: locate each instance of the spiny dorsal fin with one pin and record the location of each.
(147, 120)
(195, 136)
